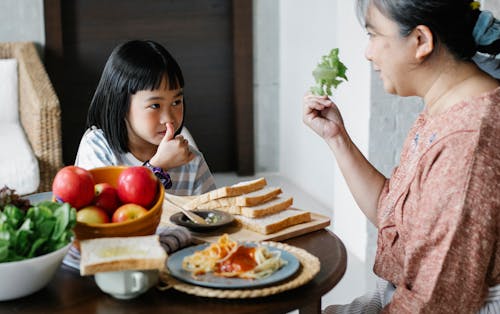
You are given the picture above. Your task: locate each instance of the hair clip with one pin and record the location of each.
(475, 5)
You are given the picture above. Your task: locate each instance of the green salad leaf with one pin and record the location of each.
(45, 227)
(329, 72)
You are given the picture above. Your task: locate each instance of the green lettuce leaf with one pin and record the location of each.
(329, 72)
(44, 228)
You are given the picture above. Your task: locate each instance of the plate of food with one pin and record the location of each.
(227, 264)
(214, 218)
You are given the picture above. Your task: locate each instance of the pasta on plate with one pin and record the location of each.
(228, 258)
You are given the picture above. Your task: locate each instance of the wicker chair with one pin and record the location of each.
(39, 109)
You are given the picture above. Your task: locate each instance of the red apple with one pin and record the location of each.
(106, 197)
(128, 211)
(73, 185)
(137, 185)
(92, 215)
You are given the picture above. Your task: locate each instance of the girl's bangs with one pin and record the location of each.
(150, 79)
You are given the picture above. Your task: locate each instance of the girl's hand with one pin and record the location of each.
(172, 152)
(322, 116)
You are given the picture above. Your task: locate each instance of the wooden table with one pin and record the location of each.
(68, 292)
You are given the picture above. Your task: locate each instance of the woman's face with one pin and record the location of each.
(389, 52)
(150, 111)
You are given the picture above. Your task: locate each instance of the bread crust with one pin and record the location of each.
(121, 253)
(227, 191)
(274, 223)
(123, 264)
(271, 207)
(248, 199)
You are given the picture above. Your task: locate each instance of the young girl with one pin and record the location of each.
(438, 246)
(136, 117)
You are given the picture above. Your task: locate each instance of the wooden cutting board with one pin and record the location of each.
(241, 234)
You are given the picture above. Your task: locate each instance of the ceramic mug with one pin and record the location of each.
(126, 284)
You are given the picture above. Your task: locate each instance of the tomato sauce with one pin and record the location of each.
(240, 261)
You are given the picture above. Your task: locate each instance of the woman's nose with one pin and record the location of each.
(368, 52)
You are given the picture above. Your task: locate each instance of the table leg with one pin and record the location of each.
(311, 308)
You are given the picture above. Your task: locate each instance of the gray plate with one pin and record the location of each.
(174, 264)
(39, 197)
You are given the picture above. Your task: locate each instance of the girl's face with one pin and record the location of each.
(389, 52)
(150, 111)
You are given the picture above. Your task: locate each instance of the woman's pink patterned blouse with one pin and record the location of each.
(438, 215)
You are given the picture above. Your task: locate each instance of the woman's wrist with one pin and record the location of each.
(160, 173)
(340, 143)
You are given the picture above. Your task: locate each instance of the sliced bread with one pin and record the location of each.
(247, 199)
(121, 253)
(270, 207)
(276, 222)
(233, 209)
(227, 191)
(275, 205)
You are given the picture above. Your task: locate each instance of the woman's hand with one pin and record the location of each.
(322, 116)
(364, 181)
(172, 152)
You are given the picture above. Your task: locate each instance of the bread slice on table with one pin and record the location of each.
(233, 209)
(275, 205)
(270, 207)
(121, 253)
(227, 191)
(248, 199)
(275, 222)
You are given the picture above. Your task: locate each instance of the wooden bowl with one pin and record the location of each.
(145, 225)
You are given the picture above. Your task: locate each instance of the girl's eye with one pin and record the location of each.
(177, 102)
(155, 106)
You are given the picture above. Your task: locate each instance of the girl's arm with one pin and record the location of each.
(364, 181)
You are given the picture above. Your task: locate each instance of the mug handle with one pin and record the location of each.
(140, 281)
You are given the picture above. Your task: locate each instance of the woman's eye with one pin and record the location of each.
(155, 106)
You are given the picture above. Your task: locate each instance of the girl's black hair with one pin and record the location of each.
(450, 21)
(132, 66)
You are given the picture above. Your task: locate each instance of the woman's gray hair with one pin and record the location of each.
(468, 33)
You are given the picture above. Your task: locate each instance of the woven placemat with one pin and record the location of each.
(310, 266)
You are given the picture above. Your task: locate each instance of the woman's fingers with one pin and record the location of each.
(320, 99)
(317, 103)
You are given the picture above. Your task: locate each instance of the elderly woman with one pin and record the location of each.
(438, 214)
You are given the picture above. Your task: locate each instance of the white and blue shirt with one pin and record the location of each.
(193, 178)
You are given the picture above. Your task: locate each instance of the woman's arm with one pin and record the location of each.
(364, 181)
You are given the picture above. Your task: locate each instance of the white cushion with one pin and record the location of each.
(18, 165)
(9, 95)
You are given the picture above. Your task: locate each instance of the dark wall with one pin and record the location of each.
(198, 33)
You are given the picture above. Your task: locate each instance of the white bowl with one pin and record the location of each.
(21, 278)
(126, 284)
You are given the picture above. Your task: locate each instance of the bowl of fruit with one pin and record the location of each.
(34, 237)
(113, 201)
